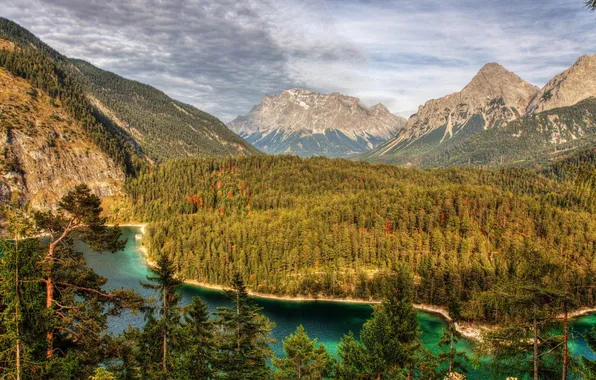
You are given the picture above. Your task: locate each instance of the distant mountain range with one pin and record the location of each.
(306, 123)
(499, 119)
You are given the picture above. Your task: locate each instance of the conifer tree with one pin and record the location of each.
(588, 367)
(198, 351)
(353, 363)
(304, 358)
(243, 349)
(79, 211)
(162, 336)
(450, 357)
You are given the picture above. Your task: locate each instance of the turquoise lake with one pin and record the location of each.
(327, 321)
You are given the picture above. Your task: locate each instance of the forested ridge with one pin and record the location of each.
(165, 127)
(322, 227)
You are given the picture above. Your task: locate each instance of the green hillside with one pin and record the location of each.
(326, 227)
(164, 127)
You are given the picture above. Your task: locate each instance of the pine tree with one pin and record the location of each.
(305, 359)
(79, 211)
(160, 360)
(391, 336)
(22, 328)
(243, 348)
(449, 357)
(198, 350)
(588, 367)
(353, 363)
(73, 319)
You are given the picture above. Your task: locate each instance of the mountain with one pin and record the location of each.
(306, 123)
(78, 123)
(493, 97)
(534, 139)
(158, 126)
(568, 88)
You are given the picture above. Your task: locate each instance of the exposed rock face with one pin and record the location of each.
(44, 152)
(305, 123)
(493, 97)
(568, 88)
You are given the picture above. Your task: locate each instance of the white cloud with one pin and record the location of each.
(223, 56)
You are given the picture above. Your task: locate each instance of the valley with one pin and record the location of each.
(314, 237)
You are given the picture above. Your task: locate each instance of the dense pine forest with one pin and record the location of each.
(335, 228)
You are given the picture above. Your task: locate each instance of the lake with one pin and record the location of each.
(327, 321)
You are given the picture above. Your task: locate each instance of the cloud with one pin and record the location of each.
(223, 56)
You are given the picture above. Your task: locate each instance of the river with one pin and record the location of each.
(326, 321)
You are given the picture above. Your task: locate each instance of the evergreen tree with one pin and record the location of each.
(22, 308)
(391, 336)
(353, 363)
(243, 349)
(305, 359)
(450, 359)
(391, 344)
(161, 360)
(198, 350)
(67, 279)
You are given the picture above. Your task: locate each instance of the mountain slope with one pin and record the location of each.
(493, 97)
(154, 125)
(44, 151)
(568, 88)
(533, 139)
(162, 126)
(305, 123)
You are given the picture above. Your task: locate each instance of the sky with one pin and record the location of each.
(223, 56)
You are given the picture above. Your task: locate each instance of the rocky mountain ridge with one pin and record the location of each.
(493, 97)
(307, 123)
(567, 88)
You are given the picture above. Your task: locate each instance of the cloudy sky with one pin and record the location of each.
(223, 56)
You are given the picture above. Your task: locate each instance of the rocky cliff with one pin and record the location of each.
(568, 88)
(43, 151)
(493, 97)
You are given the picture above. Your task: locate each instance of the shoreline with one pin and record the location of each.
(469, 330)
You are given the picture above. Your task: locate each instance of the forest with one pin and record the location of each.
(335, 228)
(54, 313)
(54, 320)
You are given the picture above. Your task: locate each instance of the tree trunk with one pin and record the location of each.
(535, 328)
(50, 298)
(165, 332)
(565, 338)
(451, 352)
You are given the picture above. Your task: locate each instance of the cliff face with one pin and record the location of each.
(306, 123)
(43, 151)
(568, 88)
